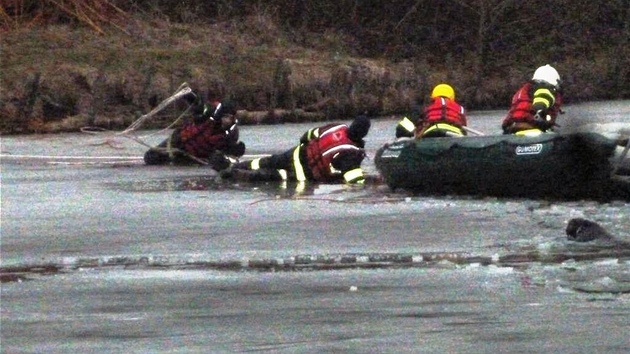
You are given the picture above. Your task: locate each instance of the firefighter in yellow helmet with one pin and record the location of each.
(442, 117)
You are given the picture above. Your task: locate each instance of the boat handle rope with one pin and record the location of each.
(622, 157)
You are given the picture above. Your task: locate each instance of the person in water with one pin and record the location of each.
(329, 153)
(211, 137)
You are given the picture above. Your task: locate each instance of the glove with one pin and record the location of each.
(543, 120)
(237, 149)
(197, 107)
(192, 98)
(540, 115)
(218, 161)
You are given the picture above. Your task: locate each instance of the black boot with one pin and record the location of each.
(234, 169)
(267, 175)
(156, 157)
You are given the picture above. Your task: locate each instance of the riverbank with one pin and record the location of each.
(62, 78)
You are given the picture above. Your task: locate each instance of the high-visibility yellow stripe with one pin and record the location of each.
(529, 132)
(299, 170)
(312, 134)
(407, 124)
(443, 126)
(255, 164)
(542, 100)
(544, 96)
(355, 175)
(283, 174)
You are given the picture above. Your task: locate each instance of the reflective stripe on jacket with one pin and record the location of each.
(526, 100)
(443, 129)
(405, 128)
(332, 142)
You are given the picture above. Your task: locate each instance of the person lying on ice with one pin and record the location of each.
(536, 105)
(441, 118)
(330, 153)
(209, 138)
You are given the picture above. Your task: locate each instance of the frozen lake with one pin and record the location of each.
(101, 253)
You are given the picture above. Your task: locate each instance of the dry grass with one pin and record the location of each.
(61, 60)
(96, 14)
(82, 72)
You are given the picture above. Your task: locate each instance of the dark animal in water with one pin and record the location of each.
(582, 230)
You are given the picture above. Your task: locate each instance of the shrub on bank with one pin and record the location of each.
(106, 63)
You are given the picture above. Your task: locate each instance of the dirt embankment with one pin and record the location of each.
(58, 79)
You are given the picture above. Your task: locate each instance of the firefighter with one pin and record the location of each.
(442, 117)
(536, 105)
(209, 138)
(330, 153)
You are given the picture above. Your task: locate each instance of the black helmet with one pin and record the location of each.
(359, 128)
(224, 108)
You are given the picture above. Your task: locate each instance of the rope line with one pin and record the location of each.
(128, 133)
(622, 157)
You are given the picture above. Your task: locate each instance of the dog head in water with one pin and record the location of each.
(582, 230)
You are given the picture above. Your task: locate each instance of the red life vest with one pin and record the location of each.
(201, 140)
(446, 111)
(521, 109)
(321, 151)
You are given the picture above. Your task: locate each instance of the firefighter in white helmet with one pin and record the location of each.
(536, 105)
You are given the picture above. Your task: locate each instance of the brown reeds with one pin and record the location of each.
(96, 14)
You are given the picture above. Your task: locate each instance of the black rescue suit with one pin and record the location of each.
(532, 98)
(209, 137)
(325, 154)
(442, 117)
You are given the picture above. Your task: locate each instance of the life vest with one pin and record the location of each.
(444, 110)
(521, 109)
(320, 152)
(201, 140)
